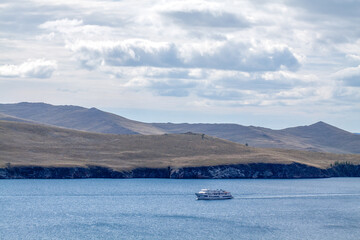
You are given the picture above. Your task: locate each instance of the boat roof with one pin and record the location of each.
(212, 190)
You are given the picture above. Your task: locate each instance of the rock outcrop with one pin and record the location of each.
(254, 170)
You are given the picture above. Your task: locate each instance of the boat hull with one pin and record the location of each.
(207, 197)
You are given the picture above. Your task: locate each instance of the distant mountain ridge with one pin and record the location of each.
(79, 118)
(318, 137)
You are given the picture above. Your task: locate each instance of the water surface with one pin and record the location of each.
(167, 209)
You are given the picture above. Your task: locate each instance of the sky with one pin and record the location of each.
(273, 64)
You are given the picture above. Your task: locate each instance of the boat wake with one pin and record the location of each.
(320, 195)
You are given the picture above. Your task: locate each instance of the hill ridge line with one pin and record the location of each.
(317, 137)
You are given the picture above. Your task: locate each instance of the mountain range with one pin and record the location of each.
(318, 137)
(37, 145)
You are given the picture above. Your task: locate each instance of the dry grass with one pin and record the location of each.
(40, 145)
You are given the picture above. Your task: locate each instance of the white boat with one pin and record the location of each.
(218, 194)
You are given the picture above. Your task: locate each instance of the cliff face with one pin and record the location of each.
(256, 170)
(79, 172)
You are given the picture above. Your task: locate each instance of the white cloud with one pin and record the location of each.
(32, 68)
(353, 57)
(61, 25)
(350, 76)
(228, 55)
(48, 37)
(73, 29)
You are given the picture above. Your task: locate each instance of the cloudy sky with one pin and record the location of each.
(266, 63)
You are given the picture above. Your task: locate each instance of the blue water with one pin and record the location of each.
(167, 209)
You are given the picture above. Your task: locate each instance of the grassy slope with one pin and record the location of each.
(32, 144)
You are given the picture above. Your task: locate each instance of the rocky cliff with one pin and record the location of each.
(255, 170)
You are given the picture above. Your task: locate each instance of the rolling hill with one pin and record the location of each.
(28, 144)
(318, 137)
(6, 117)
(74, 117)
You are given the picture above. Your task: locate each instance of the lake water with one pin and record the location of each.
(167, 209)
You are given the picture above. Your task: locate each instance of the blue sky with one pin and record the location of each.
(267, 63)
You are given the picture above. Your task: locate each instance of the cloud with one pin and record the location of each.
(353, 57)
(72, 29)
(296, 96)
(348, 94)
(47, 37)
(345, 8)
(207, 19)
(228, 55)
(265, 81)
(32, 68)
(219, 85)
(222, 94)
(349, 76)
(249, 88)
(334, 22)
(61, 25)
(23, 18)
(245, 57)
(174, 73)
(235, 89)
(175, 88)
(161, 82)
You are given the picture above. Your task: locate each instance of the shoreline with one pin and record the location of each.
(234, 171)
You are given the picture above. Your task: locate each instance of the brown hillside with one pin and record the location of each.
(41, 145)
